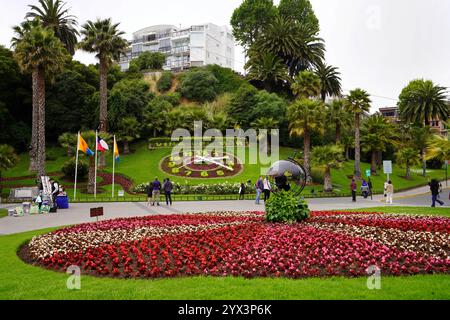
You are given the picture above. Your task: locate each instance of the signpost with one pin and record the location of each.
(387, 168)
(368, 173)
(97, 212)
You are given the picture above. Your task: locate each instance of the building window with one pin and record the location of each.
(198, 28)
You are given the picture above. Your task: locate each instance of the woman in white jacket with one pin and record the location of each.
(267, 189)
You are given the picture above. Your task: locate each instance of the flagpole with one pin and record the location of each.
(114, 165)
(76, 168)
(96, 157)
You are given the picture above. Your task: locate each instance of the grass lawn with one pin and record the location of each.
(409, 210)
(22, 281)
(3, 213)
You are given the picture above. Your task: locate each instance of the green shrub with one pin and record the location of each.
(286, 207)
(174, 98)
(69, 169)
(228, 80)
(52, 155)
(199, 85)
(317, 175)
(165, 82)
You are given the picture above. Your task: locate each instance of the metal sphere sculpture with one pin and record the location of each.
(288, 175)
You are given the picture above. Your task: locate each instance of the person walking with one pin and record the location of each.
(353, 188)
(168, 187)
(434, 188)
(242, 192)
(149, 193)
(156, 193)
(266, 189)
(389, 192)
(259, 189)
(365, 189)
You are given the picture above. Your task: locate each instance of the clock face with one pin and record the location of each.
(201, 166)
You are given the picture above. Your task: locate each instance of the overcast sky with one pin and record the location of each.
(379, 45)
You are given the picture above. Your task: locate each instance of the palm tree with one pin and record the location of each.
(438, 148)
(338, 115)
(8, 157)
(55, 16)
(306, 85)
(377, 135)
(408, 157)
(129, 130)
(328, 157)
(420, 137)
(38, 51)
(304, 116)
(267, 124)
(297, 44)
(104, 38)
(358, 103)
(267, 68)
(330, 81)
(422, 101)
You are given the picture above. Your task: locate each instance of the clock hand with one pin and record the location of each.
(217, 163)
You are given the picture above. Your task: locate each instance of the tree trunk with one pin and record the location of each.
(306, 152)
(357, 148)
(40, 96)
(103, 127)
(424, 162)
(126, 147)
(338, 133)
(408, 172)
(347, 153)
(373, 163)
(35, 124)
(324, 96)
(91, 176)
(154, 133)
(327, 184)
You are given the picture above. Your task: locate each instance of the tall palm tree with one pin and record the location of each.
(408, 157)
(304, 116)
(377, 135)
(422, 101)
(330, 80)
(358, 103)
(420, 136)
(438, 148)
(338, 115)
(267, 68)
(104, 38)
(328, 157)
(38, 51)
(297, 44)
(54, 15)
(306, 85)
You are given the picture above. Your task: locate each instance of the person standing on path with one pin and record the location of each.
(242, 192)
(156, 194)
(149, 193)
(389, 192)
(434, 188)
(259, 189)
(266, 189)
(168, 187)
(353, 188)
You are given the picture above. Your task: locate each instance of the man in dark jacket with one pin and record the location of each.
(168, 187)
(156, 192)
(149, 193)
(434, 187)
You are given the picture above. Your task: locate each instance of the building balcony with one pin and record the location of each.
(181, 50)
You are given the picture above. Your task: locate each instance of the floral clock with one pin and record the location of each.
(201, 165)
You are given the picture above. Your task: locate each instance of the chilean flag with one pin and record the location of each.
(102, 146)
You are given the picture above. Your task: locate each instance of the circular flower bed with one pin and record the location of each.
(242, 244)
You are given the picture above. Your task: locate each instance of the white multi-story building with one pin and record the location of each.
(196, 46)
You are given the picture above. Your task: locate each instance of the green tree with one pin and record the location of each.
(438, 148)
(250, 18)
(330, 81)
(267, 68)
(268, 105)
(306, 85)
(304, 116)
(68, 141)
(422, 101)
(328, 157)
(358, 103)
(54, 15)
(300, 11)
(155, 115)
(129, 129)
(408, 157)
(103, 38)
(199, 85)
(8, 157)
(420, 137)
(149, 61)
(241, 105)
(265, 126)
(39, 52)
(165, 82)
(228, 79)
(337, 114)
(377, 135)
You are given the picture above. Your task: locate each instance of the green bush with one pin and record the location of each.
(199, 85)
(317, 175)
(52, 155)
(225, 188)
(165, 82)
(69, 169)
(174, 98)
(228, 80)
(286, 207)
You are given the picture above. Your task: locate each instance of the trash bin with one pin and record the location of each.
(26, 207)
(62, 202)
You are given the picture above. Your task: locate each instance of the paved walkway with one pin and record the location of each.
(80, 212)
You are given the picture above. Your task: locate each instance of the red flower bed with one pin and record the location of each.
(242, 244)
